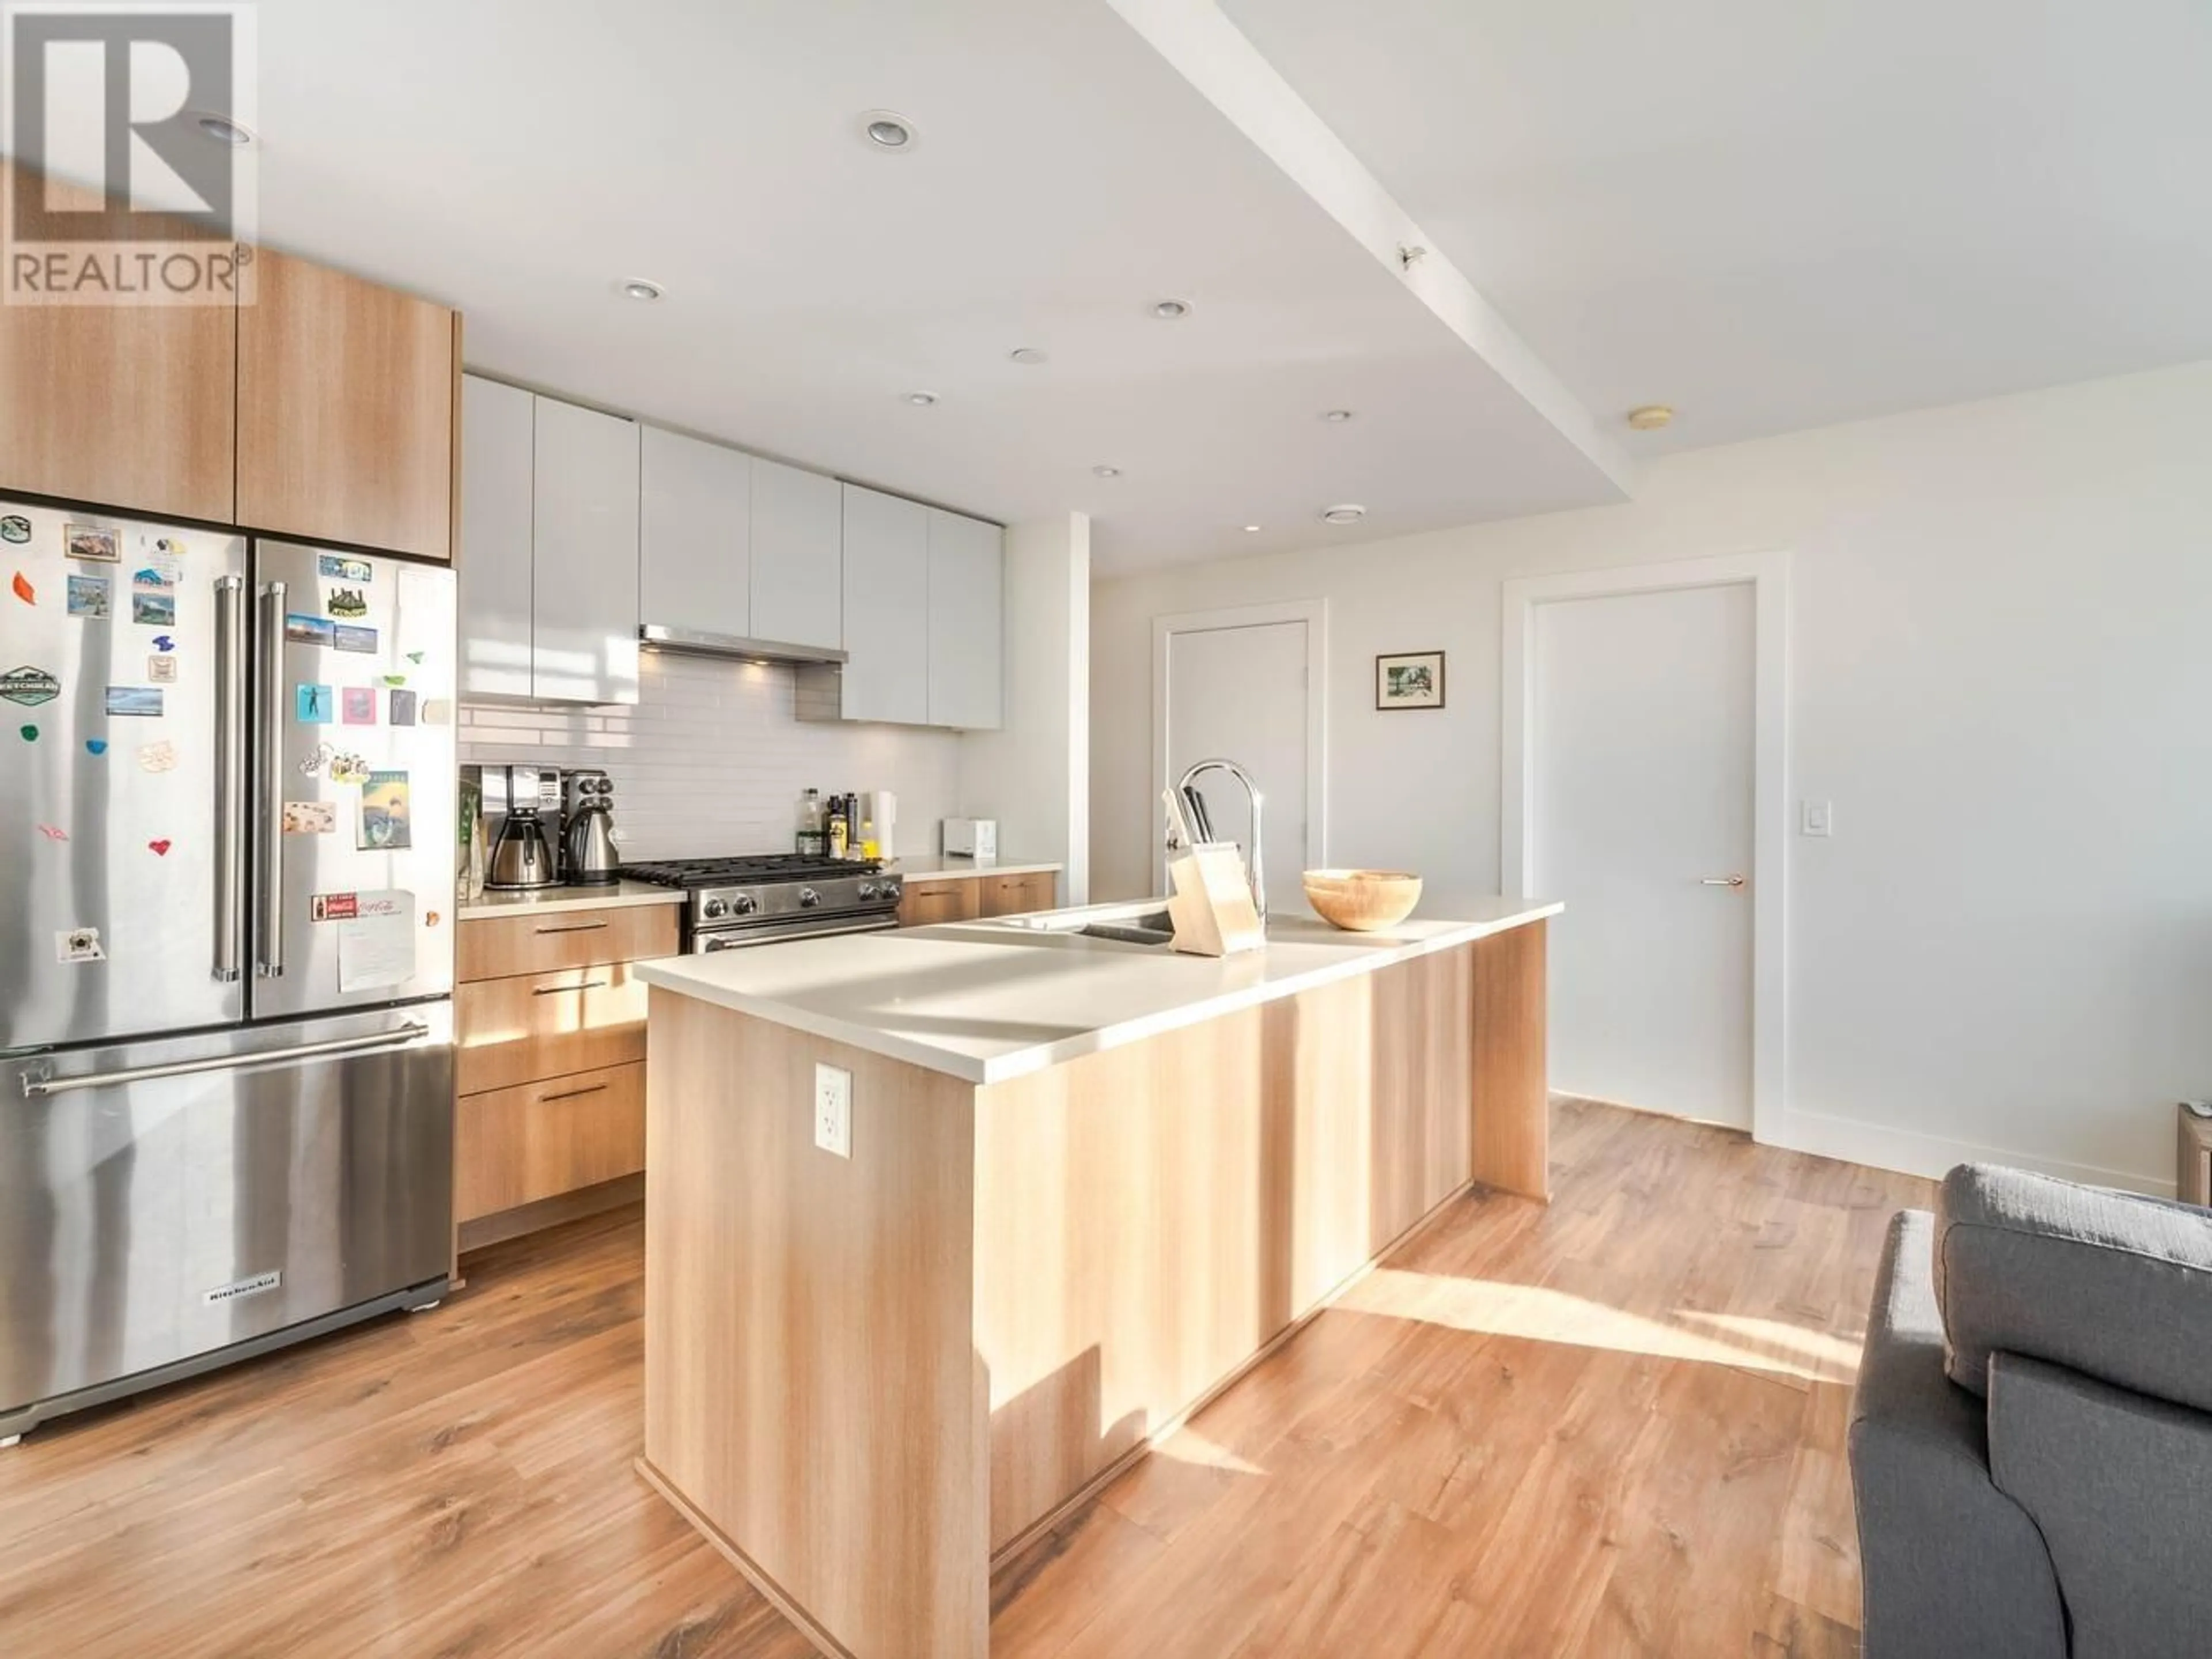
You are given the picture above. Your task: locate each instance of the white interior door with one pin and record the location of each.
(1239, 693)
(1641, 734)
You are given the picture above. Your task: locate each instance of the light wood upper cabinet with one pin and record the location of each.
(127, 407)
(797, 551)
(584, 517)
(886, 608)
(967, 644)
(499, 442)
(694, 535)
(346, 397)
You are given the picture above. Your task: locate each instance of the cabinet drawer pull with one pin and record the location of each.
(573, 927)
(555, 990)
(594, 1089)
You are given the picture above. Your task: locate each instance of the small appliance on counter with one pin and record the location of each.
(516, 800)
(971, 838)
(588, 856)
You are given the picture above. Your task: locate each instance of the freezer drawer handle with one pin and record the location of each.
(574, 928)
(573, 1094)
(36, 1088)
(555, 990)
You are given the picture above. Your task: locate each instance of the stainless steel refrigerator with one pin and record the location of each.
(227, 821)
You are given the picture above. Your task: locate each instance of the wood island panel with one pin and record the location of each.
(811, 1392)
(1512, 1099)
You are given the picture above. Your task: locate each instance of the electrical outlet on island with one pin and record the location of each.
(833, 1109)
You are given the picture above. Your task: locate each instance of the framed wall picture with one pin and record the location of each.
(1410, 679)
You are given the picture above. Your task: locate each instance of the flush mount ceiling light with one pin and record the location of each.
(889, 131)
(636, 287)
(1251, 529)
(1347, 513)
(1169, 311)
(921, 399)
(223, 129)
(1029, 357)
(1107, 472)
(1336, 416)
(1651, 418)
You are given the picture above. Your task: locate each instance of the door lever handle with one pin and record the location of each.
(1720, 881)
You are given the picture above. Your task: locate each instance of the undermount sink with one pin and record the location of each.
(1144, 922)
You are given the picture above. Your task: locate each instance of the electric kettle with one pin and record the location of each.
(588, 855)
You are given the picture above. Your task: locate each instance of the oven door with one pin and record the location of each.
(745, 935)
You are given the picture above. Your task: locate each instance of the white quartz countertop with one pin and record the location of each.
(945, 869)
(543, 900)
(989, 1000)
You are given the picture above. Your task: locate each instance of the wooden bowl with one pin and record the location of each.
(1362, 901)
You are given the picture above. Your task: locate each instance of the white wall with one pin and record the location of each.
(2002, 667)
(710, 760)
(1034, 773)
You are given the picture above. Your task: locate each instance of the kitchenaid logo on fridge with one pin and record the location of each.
(253, 1286)
(133, 181)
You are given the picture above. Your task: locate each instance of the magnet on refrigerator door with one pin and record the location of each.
(90, 542)
(14, 528)
(87, 597)
(360, 704)
(311, 705)
(161, 669)
(78, 944)
(385, 812)
(345, 570)
(353, 638)
(307, 630)
(24, 591)
(156, 756)
(400, 707)
(138, 701)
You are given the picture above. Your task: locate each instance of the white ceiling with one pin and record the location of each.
(1774, 216)
(515, 157)
(1778, 215)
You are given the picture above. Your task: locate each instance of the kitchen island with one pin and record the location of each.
(1086, 1184)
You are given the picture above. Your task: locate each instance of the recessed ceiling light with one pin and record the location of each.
(1107, 472)
(1250, 528)
(1336, 416)
(1651, 418)
(886, 130)
(636, 287)
(1169, 311)
(921, 399)
(1029, 357)
(1346, 513)
(223, 129)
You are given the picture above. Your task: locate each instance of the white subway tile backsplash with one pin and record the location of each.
(712, 760)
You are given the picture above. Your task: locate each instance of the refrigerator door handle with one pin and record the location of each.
(38, 1088)
(229, 777)
(269, 787)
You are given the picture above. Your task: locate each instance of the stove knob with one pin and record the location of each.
(711, 908)
(744, 904)
(867, 889)
(808, 898)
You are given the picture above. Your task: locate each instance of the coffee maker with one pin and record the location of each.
(520, 797)
(588, 855)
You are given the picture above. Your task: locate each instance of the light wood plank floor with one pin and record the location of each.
(1611, 1426)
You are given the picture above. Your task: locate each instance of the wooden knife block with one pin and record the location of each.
(1211, 904)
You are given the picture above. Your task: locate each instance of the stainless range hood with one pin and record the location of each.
(652, 637)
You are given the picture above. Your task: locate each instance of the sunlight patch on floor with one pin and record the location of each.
(1541, 1315)
(1189, 1446)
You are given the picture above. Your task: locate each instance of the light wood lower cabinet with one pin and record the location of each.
(926, 902)
(550, 1121)
(538, 1140)
(540, 1026)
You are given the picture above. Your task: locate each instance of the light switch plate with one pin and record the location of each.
(1816, 817)
(833, 1109)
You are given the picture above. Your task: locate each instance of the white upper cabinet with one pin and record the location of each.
(967, 641)
(584, 615)
(497, 428)
(886, 676)
(694, 535)
(797, 586)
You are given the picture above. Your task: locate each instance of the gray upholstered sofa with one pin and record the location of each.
(2031, 1441)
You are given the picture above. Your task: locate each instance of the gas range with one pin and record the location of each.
(772, 896)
